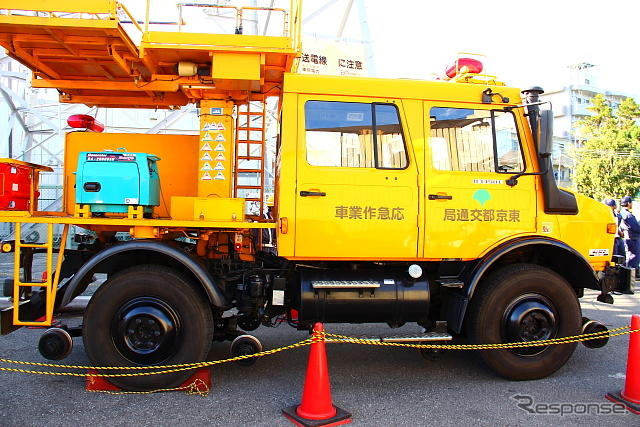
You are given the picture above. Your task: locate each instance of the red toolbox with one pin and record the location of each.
(17, 179)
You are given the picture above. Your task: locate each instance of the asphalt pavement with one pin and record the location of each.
(378, 385)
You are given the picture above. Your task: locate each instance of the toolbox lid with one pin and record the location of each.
(35, 166)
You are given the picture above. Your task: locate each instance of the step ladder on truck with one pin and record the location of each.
(396, 201)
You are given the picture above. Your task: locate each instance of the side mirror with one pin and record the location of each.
(545, 133)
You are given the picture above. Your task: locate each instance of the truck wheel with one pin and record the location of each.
(147, 315)
(522, 303)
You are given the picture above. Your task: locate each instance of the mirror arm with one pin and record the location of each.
(513, 180)
(513, 107)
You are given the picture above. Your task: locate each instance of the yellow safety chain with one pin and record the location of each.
(155, 369)
(540, 343)
(198, 387)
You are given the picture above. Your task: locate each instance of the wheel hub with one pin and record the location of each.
(531, 317)
(145, 330)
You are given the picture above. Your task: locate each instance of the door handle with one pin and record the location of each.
(312, 193)
(439, 197)
(92, 187)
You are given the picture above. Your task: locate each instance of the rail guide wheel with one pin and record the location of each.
(245, 345)
(55, 344)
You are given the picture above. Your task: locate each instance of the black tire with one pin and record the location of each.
(524, 302)
(174, 325)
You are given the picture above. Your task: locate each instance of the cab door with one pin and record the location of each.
(356, 191)
(472, 152)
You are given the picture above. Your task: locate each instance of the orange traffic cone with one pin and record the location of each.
(630, 395)
(317, 408)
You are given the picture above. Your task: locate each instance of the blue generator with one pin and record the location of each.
(110, 182)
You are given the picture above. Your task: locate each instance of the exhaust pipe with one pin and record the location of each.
(592, 326)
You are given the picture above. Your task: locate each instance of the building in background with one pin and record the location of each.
(570, 105)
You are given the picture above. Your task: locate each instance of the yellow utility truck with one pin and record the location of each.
(396, 201)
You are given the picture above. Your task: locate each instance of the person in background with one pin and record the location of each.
(618, 245)
(631, 233)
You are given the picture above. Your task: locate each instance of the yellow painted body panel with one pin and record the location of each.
(237, 71)
(285, 170)
(482, 210)
(317, 219)
(503, 213)
(587, 230)
(207, 209)
(93, 6)
(222, 42)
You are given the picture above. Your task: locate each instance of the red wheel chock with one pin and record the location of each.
(199, 382)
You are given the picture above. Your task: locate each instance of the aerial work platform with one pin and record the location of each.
(97, 53)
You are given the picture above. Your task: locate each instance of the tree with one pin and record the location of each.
(608, 164)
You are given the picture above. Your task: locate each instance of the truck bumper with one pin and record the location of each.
(616, 279)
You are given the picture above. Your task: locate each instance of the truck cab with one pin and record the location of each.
(407, 170)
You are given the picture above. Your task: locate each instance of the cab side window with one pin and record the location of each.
(475, 140)
(356, 135)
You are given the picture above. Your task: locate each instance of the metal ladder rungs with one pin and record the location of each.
(250, 113)
(249, 157)
(49, 286)
(34, 284)
(250, 139)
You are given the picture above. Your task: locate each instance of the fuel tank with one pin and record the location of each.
(363, 296)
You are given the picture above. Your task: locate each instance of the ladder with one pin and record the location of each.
(50, 285)
(249, 181)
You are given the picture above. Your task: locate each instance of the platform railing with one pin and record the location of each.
(71, 9)
(239, 14)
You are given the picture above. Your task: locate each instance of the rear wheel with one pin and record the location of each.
(524, 303)
(147, 315)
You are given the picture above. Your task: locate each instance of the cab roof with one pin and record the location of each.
(446, 91)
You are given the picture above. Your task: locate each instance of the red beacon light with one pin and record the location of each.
(84, 121)
(464, 66)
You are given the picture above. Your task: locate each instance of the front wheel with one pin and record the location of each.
(147, 315)
(524, 303)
